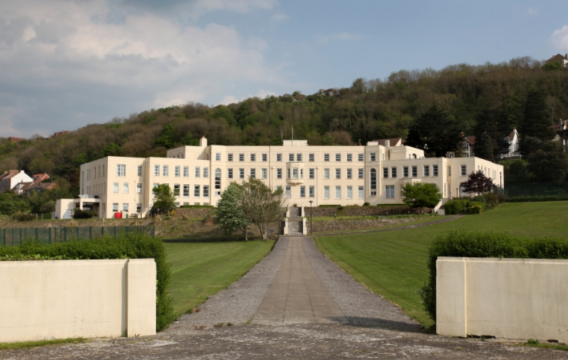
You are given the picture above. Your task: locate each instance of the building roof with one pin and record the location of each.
(470, 139)
(15, 139)
(40, 177)
(60, 133)
(390, 142)
(38, 186)
(9, 174)
(556, 58)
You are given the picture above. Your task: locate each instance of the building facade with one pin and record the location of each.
(324, 175)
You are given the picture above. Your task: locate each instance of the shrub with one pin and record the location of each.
(334, 206)
(128, 246)
(19, 216)
(455, 206)
(82, 214)
(475, 209)
(364, 204)
(538, 198)
(486, 244)
(197, 207)
(340, 208)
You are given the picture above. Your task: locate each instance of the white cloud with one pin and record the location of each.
(64, 67)
(229, 99)
(560, 38)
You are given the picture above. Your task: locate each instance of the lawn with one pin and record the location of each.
(200, 270)
(393, 264)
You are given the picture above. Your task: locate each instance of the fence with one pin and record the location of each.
(536, 189)
(15, 236)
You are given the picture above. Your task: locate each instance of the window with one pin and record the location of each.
(299, 157)
(121, 170)
(302, 191)
(165, 170)
(186, 190)
(264, 157)
(463, 170)
(197, 171)
(350, 192)
(288, 191)
(290, 157)
(155, 185)
(125, 207)
(393, 172)
(312, 191)
(176, 190)
(389, 191)
(252, 157)
(241, 157)
(349, 157)
(415, 171)
(373, 182)
(349, 174)
(326, 192)
(405, 171)
(218, 179)
(264, 173)
(103, 170)
(138, 188)
(295, 173)
(337, 157)
(156, 170)
(373, 157)
(241, 173)
(230, 173)
(138, 207)
(218, 156)
(278, 157)
(325, 157)
(360, 157)
(115, 188)
(115, 207)
(229, 157)
(177, 171)
(338, 173)
(196, 191)
(326, 173)
(426, 170)
(279, 173)
(139, 170)
(361, 192)
(205, 190)
(289, 176)
(434, 170)
(311, 157)
(386, 172)
(449, 171)
(253, 173)
(338, 192)
(312, 173)
(360, 173)
(186, 171)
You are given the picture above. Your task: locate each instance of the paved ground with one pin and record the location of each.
(294, 304)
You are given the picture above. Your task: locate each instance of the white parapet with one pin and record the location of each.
(44, 300)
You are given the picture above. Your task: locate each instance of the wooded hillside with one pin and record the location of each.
(369, 109)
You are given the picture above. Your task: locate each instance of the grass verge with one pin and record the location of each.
(393, 263)
(31, 344)
(199, 270)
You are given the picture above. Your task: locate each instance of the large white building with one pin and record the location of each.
(342, 175)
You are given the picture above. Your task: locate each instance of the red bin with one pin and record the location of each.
(118, 215)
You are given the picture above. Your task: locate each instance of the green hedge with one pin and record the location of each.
(537, 198)
(197, 207)
(128, 246)
(455, 206)
(486, 244)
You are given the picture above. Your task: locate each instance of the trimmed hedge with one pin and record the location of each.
(538, 198)
(197, 207)
(129, 246)
(455, 206)
(486, 244)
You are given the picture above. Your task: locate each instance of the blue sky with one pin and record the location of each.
(68, 63)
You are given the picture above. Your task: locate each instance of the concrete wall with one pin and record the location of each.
(42, 300)
(506, 298)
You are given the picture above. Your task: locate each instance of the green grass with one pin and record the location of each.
(393, 264)
(31, 344)
(200, 270)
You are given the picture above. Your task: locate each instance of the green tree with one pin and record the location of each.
(164, 199)
(436, 132)
(477, 183)
(261, 206)
(167, 137)
(536, 122)
(11, 203)
(548, 163)
(230, 215)
(41, 202)
(421, 195)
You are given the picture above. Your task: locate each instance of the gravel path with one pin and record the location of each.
(240, 301)
(360, 306)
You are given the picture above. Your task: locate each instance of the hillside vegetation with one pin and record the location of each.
(367, 110)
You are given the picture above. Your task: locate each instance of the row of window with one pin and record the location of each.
(184, 190)
(326, 192)
(407, 171)
(294, 157)
(125, 207)
(177, 171)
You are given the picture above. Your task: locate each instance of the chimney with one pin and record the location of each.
(203, 141)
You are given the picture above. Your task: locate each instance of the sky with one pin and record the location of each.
(68, 63)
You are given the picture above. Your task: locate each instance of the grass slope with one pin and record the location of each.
(200, 270)
(393, 264)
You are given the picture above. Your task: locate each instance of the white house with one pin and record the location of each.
(11, 178)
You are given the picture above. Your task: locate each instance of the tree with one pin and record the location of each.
(477, 183)
(490, 132)
(436, 132)
(548, 163)
(421, 195)
(536, 122)
(164, 199)
(230, 215)
(261, 206)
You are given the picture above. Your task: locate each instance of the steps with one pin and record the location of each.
(294, 224)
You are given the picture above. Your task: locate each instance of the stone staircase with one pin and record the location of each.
(294, 222)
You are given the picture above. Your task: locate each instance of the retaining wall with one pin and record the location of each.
(44, 300)
(364, 210)
(506, 298)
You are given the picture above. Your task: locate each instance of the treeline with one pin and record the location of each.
(465, 95)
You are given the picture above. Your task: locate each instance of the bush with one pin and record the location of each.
(334, 206)
(81, 214)
(364, 204)
(475, 209)
(19, 216)
(129, 246)
(486, 244)
(455, 206)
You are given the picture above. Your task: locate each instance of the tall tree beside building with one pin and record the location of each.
(436, 132)
(491, 131)
(536, 122)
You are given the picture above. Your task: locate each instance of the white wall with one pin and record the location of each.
(506, 298)
(43, 300)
